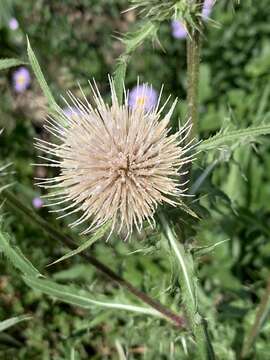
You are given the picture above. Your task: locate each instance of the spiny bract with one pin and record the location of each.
(117, 163)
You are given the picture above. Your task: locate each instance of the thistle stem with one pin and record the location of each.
(262, 311)
(188, 286)
(16, 204)
(193, 71)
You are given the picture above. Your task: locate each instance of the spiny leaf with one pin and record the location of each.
(8, 63)
(77, 297)
(99, 234)
(13, 321)
(134, 39)
(40, 77)
(228, 138)
(16, 257)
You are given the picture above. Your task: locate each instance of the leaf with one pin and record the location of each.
(134, 39)
(40, 77)
(13, 321)
(8, 63)
(16, 257)
(99, 234)
(203, 250)
(228, 137)
(81, 298)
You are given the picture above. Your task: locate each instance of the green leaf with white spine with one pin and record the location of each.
(9, 63)
(81, 298)
(40, 78)
(16, 257)
(5, 324)
(68, 294)
(227, 138)
(98, 235)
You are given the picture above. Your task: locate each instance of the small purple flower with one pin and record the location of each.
(37, 202)
(207, 8)
(72, 111)
(178, 29)
(21, 79)
(143, 96)
(13, 24)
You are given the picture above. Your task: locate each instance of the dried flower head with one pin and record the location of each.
(117, 163)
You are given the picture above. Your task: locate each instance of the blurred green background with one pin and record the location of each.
(77, 40)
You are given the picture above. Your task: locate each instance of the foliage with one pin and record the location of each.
(228, 245)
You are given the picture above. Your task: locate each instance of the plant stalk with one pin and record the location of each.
(187, 282)
(16, 204)
(261, 314)
(193, 71)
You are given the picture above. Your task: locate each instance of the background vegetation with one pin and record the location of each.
(75, 40)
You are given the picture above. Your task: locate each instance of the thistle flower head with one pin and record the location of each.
(117, 163)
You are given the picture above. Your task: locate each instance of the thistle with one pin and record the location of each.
(117, 163)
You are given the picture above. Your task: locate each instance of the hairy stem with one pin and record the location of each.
(193, 71)
(15, 203)
(187, 282)
(262, 312)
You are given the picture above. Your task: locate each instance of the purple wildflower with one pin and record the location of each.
(207, 8)
(21, 79)
(178, 29)
(13, 24)
(71, 111)
(143, 95)
(37, 202)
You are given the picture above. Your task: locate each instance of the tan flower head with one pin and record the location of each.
(116, 164)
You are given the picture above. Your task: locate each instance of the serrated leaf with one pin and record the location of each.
(232, 136)
(99, 234)
(78, 297)
(203, 250)
(40, 77)
(16, 257)
(9, 63)
(13, 321)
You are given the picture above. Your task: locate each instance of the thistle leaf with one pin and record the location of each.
(40, 77)
(81, 298)
(233, 137)
(99, 234)
(9, 63)
(16, 257)
(13, 321)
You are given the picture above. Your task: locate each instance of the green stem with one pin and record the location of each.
(188, 286)
(193, 71)
(16, 204)
(262, 312)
